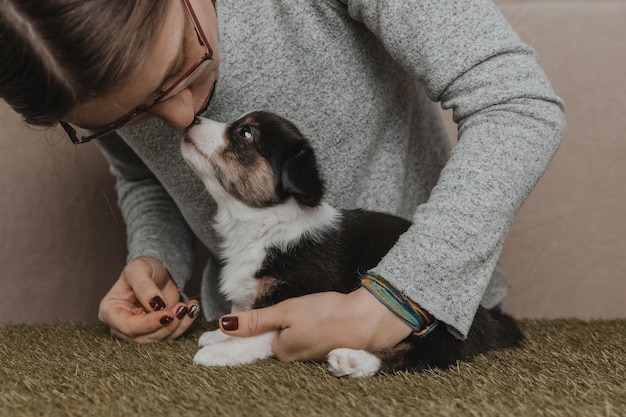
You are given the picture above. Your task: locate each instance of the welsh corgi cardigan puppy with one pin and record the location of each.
(281, 240)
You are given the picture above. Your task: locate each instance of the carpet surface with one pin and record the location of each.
(566, 368)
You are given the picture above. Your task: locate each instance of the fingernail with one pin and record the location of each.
(166, 320)
(230, 323)
(180, 313)
(194, 311)
(157, 303)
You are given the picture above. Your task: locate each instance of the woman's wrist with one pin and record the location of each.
(381, 328)
(411, 313)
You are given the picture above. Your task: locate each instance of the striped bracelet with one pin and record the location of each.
(406, 309)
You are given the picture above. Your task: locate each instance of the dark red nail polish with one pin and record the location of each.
(180, 313)
(166, 320)
(194, 311)
(230, 323)
(157, 303)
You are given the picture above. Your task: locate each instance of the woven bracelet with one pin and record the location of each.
(406, 309)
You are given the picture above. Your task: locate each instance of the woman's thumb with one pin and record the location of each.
(253, 322)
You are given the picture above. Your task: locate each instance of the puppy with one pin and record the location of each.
(281, 240)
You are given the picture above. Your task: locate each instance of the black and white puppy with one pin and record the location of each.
(281, 240)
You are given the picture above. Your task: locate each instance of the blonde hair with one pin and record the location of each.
(55, 54)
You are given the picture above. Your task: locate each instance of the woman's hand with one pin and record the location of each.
(312, 325)
(144, 305)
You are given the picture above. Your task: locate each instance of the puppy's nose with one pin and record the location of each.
(196, 121)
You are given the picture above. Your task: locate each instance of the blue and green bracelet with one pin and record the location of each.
(406, 309)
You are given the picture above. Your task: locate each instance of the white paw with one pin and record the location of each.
(236, 351)
(355, 363)
(211, 338)
(214, 355)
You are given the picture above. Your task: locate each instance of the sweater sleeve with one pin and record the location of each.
(510, 124)
(154, 225)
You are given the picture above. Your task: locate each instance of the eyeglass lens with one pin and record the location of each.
(186, 82)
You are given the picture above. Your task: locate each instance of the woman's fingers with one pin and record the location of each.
(144, 305)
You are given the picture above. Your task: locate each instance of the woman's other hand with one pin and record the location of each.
(144, 305)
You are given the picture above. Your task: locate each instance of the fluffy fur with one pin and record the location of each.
(280, 240)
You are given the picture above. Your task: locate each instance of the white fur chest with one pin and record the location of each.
(248, 233)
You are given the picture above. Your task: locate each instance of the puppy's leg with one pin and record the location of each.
(355, 363)
(236, 351)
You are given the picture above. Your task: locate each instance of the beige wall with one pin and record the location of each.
(566, 253)
(63, 239)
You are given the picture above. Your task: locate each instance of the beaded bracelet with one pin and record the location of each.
(406, 309)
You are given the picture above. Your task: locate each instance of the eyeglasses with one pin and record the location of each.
(81, 135)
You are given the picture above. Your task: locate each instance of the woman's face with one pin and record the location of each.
(176, 49)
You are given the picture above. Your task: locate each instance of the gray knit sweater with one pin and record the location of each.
(359, 78)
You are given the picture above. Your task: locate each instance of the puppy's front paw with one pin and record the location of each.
(211, 338)
(355, 363)
(236, 351)
(217, 355)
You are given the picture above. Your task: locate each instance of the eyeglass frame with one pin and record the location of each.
(191, 74)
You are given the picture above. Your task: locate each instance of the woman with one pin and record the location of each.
(359, 78)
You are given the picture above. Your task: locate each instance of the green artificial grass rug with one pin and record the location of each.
(566, 368)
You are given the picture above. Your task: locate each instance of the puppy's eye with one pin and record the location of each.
(245, 132)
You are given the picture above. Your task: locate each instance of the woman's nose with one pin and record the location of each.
(177, 111)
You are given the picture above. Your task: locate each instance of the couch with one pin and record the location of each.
(63, 239)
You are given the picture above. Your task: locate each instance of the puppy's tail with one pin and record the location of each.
(509, 335)
(440, 349)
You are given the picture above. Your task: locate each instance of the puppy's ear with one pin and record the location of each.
(300, 178)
